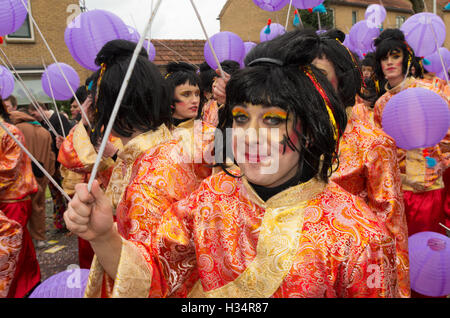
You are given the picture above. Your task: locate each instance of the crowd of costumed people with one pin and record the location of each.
(312, 164)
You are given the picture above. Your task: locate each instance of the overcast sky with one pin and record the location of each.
(175, 19)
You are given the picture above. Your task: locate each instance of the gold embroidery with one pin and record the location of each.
(277, 244)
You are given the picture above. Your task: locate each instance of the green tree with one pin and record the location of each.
(311, 20)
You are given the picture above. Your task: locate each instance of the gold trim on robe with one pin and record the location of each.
(278, 244)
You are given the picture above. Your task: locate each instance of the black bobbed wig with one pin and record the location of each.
(345, 64)
(275, 76)
(388, 41)
(146, 103)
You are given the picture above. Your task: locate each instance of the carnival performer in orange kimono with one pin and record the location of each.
(77, 157)
(17, 183)
(272, 227)
(10, 245)
(368, 164)
(144, 126)
(423, 187)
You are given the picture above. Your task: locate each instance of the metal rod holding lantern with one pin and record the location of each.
(120, 98)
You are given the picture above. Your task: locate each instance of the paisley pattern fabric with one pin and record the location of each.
(368, 168)
(363, 113)
(77, 156)
(312, 240)
(417, 176)
(16, 175)
(10, 244)
(210, 113)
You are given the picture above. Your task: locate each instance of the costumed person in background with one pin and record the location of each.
(212, 110)
(195, 135)
(59, 201)
(368, 164)
(39, 144)
(207, 76)
(10, 245)
(11, 103)
(368, 65)
(17, 184)
(75, 111)
(423, 187)
(151, 161)
(77, 156)
(253, 231)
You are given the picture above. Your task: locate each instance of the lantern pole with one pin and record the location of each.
(53, 98)
(222, 74)
(120, 98)
(56, 61)
(287, 17)
(36, 162)
(27, 92)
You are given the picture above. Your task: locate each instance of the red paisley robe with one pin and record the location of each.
(312, 240)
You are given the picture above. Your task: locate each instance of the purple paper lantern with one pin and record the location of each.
(375, 15)
(306, 4)
(89, 32)
(227, 45)
(248, 47)
(134, 34)
(429, 263)
(6, 82)
(275, 30)
(443, 75)
(434, 61)
(59, 86)
(271, 5)
(420, 31)
(362, 36)
(151, 51)
(67, 284)
(12, 16)
(416, 118)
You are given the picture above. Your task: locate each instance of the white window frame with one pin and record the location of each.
(31, 39)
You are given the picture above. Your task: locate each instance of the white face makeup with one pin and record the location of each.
(258, 144)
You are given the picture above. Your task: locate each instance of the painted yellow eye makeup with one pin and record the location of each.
(238, 111)
(275, 114)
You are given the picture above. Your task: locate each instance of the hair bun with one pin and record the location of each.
(116, 50)
(334, 34)
(301, 48)
(391, 34)
(174, 67)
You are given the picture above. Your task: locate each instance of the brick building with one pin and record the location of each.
(246, 19)
(25, 48)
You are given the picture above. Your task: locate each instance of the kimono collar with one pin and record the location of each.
(403, 85)
(289, 197)
(141, 143)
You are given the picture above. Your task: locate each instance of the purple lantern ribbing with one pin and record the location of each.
(249, 46)
(12, 16)
(429, 263)
(362, 36)
(67, 284)
(434, 60)
(416, 118)
(271, 5)
(151, 51)
(6, 82)
(375, 15)
(422, 31)
(89, 32)
(134, 34)
(227, 45)
(275, 30)
(60, 89)
(306, 4)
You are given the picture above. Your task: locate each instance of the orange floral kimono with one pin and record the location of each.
(77, 156)
(368, 168)
(312, 240)
(17, 183)
(423, 185)
(363, 113)
(10, 245)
